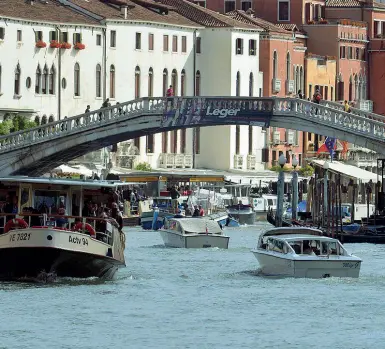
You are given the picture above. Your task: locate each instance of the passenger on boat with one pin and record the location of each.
(307, 248)
(174, 193)
(179, 214)
(201, 211)
(88, 210)
(196, 211)
(61, 222)
(117, 215)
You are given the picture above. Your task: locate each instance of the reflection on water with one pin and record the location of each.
(209, 298)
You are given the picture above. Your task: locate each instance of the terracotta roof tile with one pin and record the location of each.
(255, 21)
(204, 16)
(46, 11)
(344, 3)
(138, 10)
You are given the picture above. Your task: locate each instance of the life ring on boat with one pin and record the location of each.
(16, 223)
(87, 226)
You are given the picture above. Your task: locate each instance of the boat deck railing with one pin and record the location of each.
(64, 223)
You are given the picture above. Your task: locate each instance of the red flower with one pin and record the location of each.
(41, 44)
(65, 45)
(54, 44)
(79, 46)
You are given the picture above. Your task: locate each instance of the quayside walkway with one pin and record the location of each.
(36, 151)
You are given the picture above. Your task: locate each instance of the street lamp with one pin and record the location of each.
(325, 205)
(294, 198)
(280, 191)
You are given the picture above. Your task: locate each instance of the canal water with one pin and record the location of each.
(209, 298)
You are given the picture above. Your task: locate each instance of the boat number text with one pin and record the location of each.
(351, 265)
(78, 241)
(19, 237)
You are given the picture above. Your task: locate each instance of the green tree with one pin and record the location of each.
(306, 171)
(5, 127)
(143, 166)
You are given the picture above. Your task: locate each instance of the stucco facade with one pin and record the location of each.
(122, 58)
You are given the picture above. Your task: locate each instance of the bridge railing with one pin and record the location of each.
(355, 111)
(332, 114)
(80, 122)
(336, 118)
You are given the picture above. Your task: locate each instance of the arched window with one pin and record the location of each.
(251, 85)
(174, 81)
(165, 81)
(112, 81)
(198, 83)
(301, 79)
(340, 88)
(356, 88)
(51, 118)
(98, 77)
(17, 79)
(44, 119)
(250, 140)
(77, 79)
(238, 84)
(44, 87)
(351, 88)
(183, 82)
(275, 65)
(150, 82)
(38, 80)
(237, 138)
(137, 82)
(51, 80)
(297, 81)
(37, 120)
(288, 66)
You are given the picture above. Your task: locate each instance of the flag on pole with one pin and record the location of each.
(329, 146)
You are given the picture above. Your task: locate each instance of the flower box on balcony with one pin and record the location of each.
(41, 44)
(79, 46)
(65, 45)
(54, 44)
(310, 22)
(323, 21)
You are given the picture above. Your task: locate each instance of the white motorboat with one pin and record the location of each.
(193, 233)
(43, 229)
(304, 252)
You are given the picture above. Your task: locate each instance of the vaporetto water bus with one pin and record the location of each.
(46, 227)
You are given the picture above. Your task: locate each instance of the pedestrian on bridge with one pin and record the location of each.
(317, 97)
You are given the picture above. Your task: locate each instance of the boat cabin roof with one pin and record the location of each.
(290, 231)
(197, 225)
(302, 237)
(60, 181)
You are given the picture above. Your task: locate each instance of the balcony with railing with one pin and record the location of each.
(170, 160)
(251, 162)
(238, 162)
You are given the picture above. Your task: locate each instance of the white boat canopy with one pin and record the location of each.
(348, 171)
(292, 231)
(198, 225)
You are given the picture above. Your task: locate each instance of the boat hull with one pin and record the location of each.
(308, 267)
(28, 252)
(172, 239)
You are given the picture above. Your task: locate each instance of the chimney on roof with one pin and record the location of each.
(123, 11)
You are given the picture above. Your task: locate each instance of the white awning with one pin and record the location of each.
(348, 170)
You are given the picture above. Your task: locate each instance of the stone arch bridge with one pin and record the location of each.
(38, 150)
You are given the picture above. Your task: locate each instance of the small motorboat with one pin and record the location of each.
(193, 233)
(304, 252)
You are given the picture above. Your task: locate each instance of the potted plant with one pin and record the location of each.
(311, 146)
(323, 21)
(41, 44)
(54, 44)
(65, 45)
(310, 22)
(79, 46)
